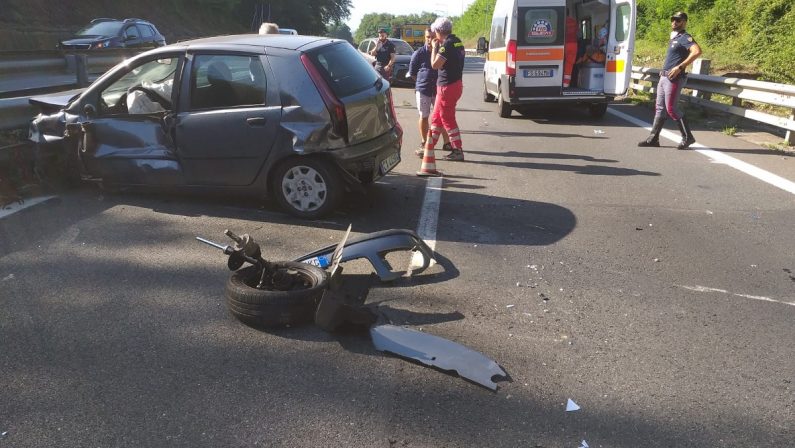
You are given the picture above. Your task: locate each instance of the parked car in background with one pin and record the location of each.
(113, 33)
(402, 58)
(299, 118)
(287, 31)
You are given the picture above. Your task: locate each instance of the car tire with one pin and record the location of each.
(504, 107)
(487, 97)
(597, 110)
(307, 187)
(268, 308)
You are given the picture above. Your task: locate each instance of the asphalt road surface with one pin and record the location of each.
(653, 287)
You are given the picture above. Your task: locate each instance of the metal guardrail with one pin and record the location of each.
(703, 86)
(29, 73)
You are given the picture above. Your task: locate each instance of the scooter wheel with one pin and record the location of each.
(273, 308)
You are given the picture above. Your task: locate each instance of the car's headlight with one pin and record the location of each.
(103, 44)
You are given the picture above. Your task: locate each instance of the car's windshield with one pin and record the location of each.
(101, 29)
(402, 47)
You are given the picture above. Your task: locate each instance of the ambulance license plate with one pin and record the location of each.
(390, 162)
(538, 73)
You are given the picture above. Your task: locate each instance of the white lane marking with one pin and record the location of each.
(15, 207)
(717, 156)
(429, 218)
(698, 288)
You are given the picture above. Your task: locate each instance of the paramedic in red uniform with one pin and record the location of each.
(447, 56)
(571, 49)
(682, 50)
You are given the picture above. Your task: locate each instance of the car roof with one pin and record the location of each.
(236, 41)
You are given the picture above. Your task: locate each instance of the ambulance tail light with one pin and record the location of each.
(510, 58)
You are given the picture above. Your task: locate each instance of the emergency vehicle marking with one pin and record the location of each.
(541, 28)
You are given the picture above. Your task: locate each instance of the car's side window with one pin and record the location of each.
(146, 30)
(131, 31)
(145, 88)
(227, 81)
(371, 46)
(363, 46)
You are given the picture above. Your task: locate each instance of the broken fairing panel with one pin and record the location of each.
(375, 246)
(437, 352)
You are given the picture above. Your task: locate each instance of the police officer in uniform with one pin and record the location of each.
(682, 50)
(384, 53)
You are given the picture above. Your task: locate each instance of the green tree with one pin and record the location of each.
(339, 30)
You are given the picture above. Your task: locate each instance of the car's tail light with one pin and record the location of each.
(392, 107)
(510, 58)
(336, 108)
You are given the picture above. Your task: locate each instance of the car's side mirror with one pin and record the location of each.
(89, 111)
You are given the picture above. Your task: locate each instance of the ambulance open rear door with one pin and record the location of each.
(620, 46)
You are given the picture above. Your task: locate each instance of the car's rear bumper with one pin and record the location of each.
(371, 160)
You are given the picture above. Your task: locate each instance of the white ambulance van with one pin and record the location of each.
(525, 60)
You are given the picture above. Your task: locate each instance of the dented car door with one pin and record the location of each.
(124, 132)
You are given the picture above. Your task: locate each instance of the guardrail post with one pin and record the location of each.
(701, 67)
(790, 137)
(82, 70)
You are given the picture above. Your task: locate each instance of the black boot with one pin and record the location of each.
(687, 136)
(654, 138)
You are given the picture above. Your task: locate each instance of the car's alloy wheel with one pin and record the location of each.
(307, 188)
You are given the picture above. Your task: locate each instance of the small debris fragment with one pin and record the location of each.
(753, 266)
(509, 306)
(709, 212)
(598, 131)
(584, 444)
(656, 260)
(518, 284)
(638, 228)
(8, 277)
(571, 406)
(4, 433)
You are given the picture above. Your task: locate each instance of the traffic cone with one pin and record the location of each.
(428, 168)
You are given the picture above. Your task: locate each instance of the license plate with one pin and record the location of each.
(390, 162)
(321, 261)
(538, 73)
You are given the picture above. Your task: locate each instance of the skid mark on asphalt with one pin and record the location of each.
(429, 218)
(698, 288)
(716, 156)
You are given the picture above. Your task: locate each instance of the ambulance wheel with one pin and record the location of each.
(487, 97)
(505, 108)
(597, 110)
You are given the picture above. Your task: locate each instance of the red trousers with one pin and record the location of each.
(444, 114)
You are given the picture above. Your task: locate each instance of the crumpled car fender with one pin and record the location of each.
(374, 247)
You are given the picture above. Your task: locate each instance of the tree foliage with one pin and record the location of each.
(339, 30)
(306, 16)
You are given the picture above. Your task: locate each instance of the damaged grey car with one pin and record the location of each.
(300, 119)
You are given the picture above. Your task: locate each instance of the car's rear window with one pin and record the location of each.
(402, 47)
(344, 68)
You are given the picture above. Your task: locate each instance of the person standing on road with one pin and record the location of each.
(447, 56)
(384, 53)
(682, 50)
(425, 77)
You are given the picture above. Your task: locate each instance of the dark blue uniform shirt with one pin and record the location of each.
(452, 50)
(420, 67)
(384, 54)
(678, 50)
